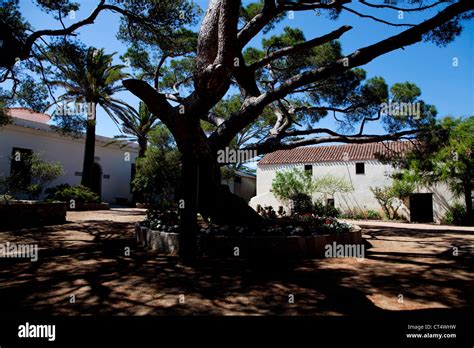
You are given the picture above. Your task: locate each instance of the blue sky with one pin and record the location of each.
(450, 88)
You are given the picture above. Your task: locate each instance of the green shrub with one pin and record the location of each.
(359, 214)
(321, 209)
(373, 215)
(80, 194)
(290, 183)
(332, 211)
(456, 215)
(5, 198)
(318, 208)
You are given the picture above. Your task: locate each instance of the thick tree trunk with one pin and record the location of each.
(218, 203)
(89, 150)
(202, 192)
(11, 47)
(188, 209)
(142, 147)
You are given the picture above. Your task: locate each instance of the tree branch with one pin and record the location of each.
(66, 31)
(367, 119)
(377, 19)
(156, 102)
(24, 53)
(227, 32)
(213, 119)
(253, 106)
(421, 8)
(274, 144)
(270, 11)
(300, 47)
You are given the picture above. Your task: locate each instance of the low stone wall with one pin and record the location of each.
(16, 215)
(167, 242)
(250, 246)
(276, 246)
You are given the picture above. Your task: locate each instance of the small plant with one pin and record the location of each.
(387, 198)
(266, 212)
(392, 197)
(302, 203)
(456, 215)
(269, 212)
(5, 199)
(42, 173)
(321, 209)
(325, 225)
(281, 211)
(373, 215)
(167, 220)
(359, 214)
(80, 194)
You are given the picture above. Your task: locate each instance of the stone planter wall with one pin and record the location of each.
(166, 242)
(250, 246)
(31, 214)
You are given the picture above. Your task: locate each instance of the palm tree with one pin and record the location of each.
(137, 126)
(89, 76)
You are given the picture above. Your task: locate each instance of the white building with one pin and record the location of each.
(30, 132)
(358, 165)
(243, 184)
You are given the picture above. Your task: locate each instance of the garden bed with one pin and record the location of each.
(249, 246)
(23, 214)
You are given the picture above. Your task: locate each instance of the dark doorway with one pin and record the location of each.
(97, 179)
(421, 207)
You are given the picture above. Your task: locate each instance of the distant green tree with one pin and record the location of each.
(446, 154)
(42, 173)
(89, 77)
(4, 118)
(392, 197)
(137, 127)
(35, 176)
(290, 183)
(157, 173)
(328, 185)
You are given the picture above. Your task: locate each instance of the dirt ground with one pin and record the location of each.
(84, 268)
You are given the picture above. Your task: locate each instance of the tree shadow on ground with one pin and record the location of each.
(96, 268)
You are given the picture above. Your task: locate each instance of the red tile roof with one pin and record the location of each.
(335, 153)
(29, 114)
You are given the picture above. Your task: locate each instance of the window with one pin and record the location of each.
(308, 168)
(330, 202)
(360, 168)
(20, 168)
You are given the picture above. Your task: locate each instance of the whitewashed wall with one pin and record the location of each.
(376, 174)
(69, 152)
